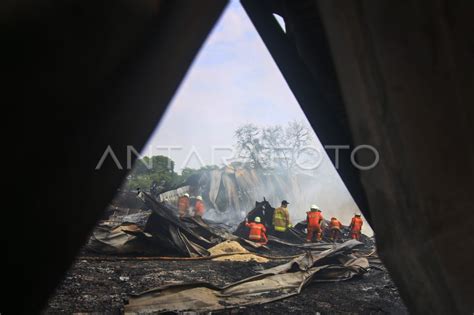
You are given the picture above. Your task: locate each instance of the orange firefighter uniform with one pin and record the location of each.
(199, 208)
(356, 227)
(257, 232)
(314, 218)
(335, 226)
(183, 205)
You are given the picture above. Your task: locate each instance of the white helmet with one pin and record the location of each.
(257, 219)
(315, 207)
(199, 198)
(186, 195)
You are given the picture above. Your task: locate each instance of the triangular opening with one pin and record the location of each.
(234, 85)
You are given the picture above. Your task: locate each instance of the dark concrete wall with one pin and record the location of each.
(406, 73)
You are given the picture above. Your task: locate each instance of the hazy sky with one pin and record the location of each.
(234, 81)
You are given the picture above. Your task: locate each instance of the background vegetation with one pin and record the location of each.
(271, 147)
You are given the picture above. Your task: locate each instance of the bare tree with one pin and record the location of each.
(274, 146)
(298, 137)
(249, 146)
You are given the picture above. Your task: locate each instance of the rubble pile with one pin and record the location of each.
(154, 230)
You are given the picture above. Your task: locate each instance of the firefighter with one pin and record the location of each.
(335, 228)
(183, 205)
(199, 207)
(356, 226)
(257, 231)
(314, 219)
(281, 219)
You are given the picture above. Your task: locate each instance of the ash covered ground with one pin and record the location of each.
(103, 284)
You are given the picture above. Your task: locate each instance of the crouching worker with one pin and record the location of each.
(313, 219)
(356, 226)
(335, 228)
(257, 231)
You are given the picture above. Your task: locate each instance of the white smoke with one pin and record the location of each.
(322, 187)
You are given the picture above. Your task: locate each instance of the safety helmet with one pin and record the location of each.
(199, 198)
(357, 214)
(314, 207)
(186, 195)
(257, 219)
